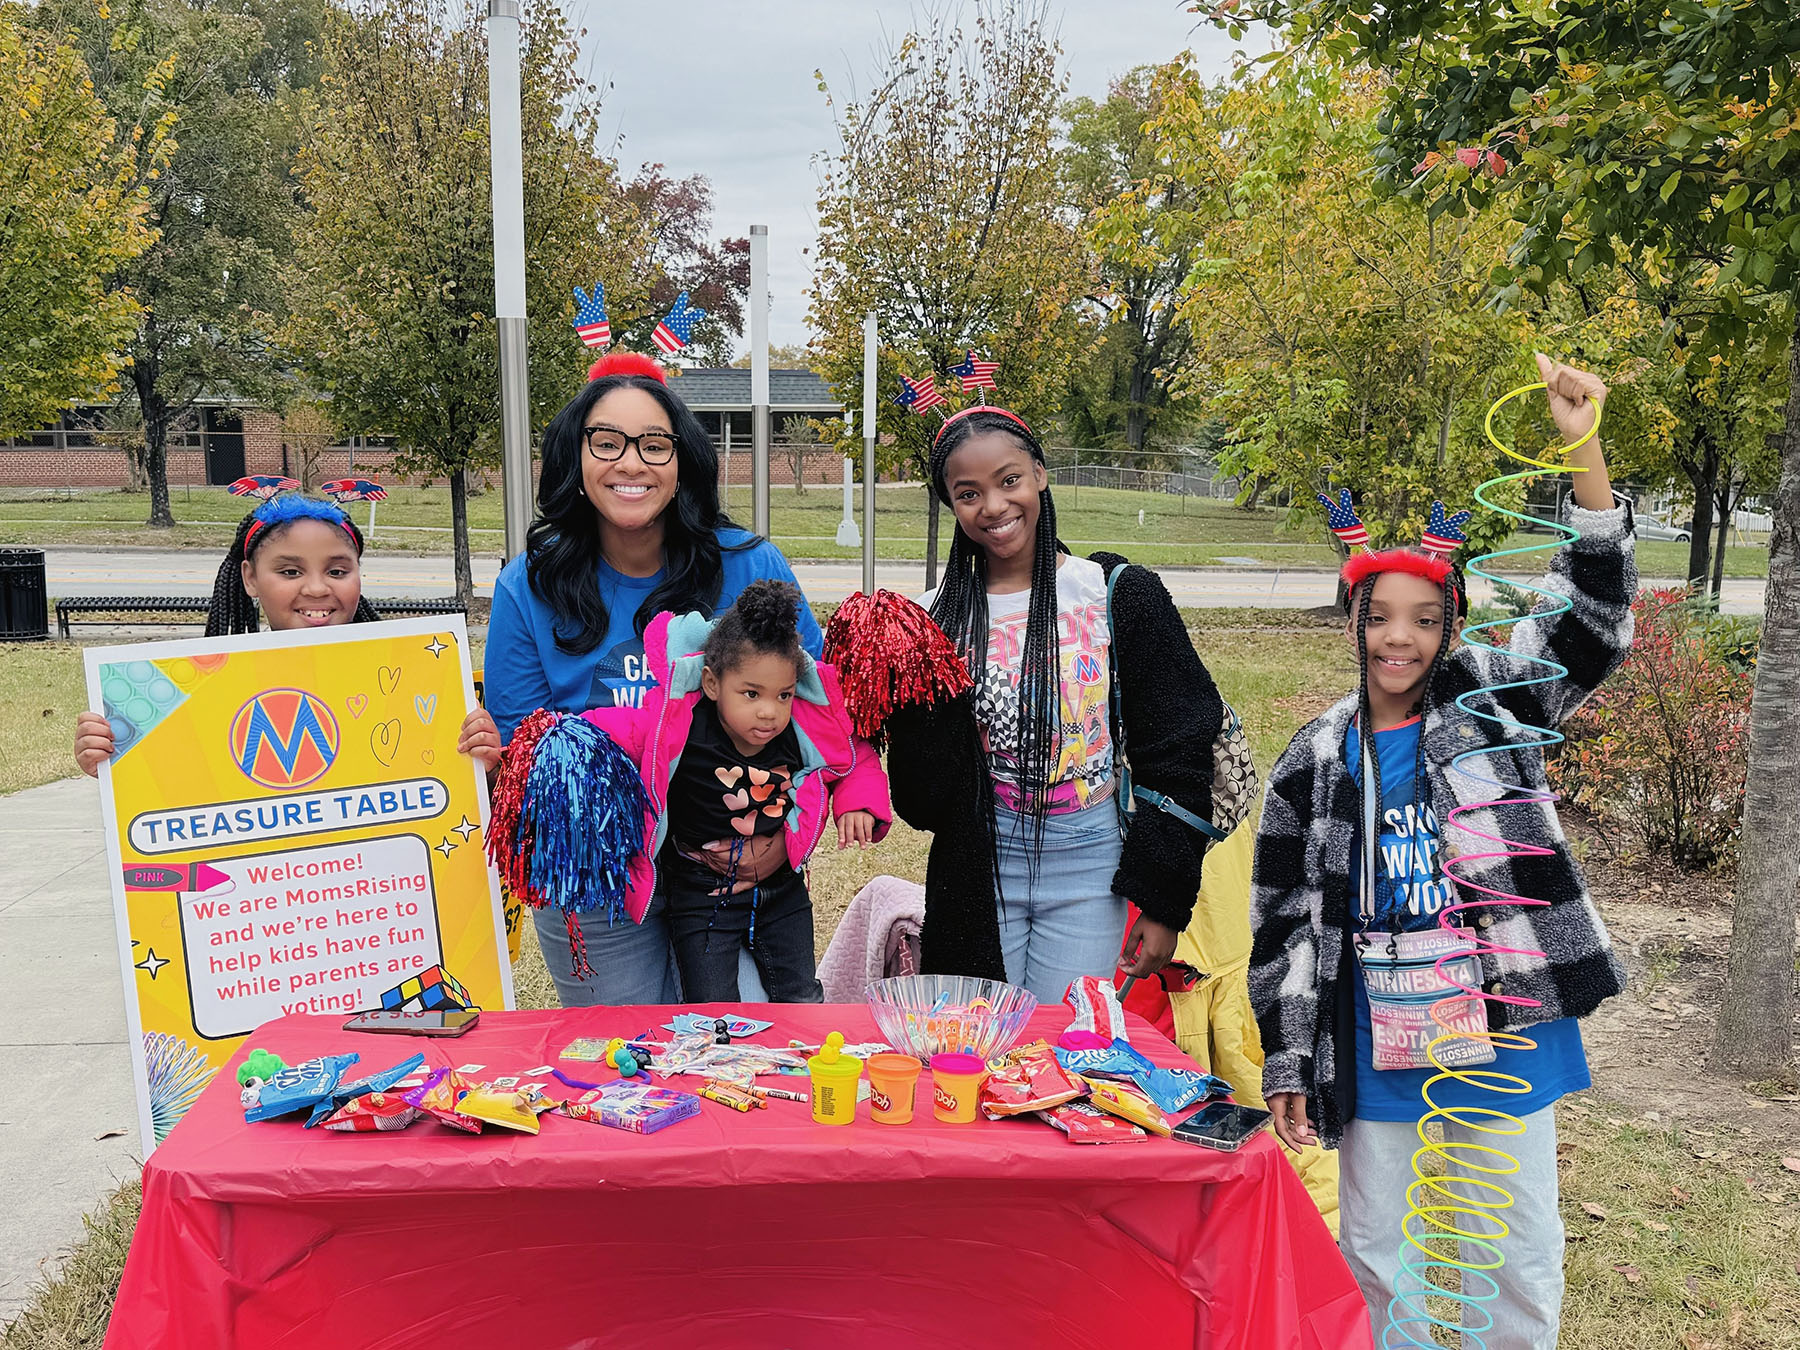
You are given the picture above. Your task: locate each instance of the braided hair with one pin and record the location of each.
(764, 619)
(961, 611)
(1456, 604)
(231, 609)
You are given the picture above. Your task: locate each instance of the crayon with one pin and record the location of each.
(781, 1094)
(193, 877)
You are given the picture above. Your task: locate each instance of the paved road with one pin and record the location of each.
(126, 571)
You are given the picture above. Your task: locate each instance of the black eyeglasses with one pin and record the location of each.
(606, 444)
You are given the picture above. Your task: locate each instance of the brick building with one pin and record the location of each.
(218, 442)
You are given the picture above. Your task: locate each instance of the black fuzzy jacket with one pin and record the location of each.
(1171, 713)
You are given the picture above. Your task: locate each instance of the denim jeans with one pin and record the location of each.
(773, 922)
(633, 962)
(1522, 1307)
(1065, 921)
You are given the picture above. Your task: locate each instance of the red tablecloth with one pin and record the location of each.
(724, 1230)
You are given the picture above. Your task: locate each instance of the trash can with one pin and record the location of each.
(24, 597)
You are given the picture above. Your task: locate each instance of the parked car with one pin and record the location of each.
(1649, 527)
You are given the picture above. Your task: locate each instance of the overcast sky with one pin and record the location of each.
(725, 88)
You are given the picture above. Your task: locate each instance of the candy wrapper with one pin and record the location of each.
(1085, 1124)
(509, 1109)
(1095, 1005)
(438, 1099)
(1029, 1080)
(641, 1108)
(735, 1027)
(1172, 1090)
(374, 1082)
(374, 1111)
(1128, 1104)
(299, 1087)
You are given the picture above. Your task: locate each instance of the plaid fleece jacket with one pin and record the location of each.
(1300, 901)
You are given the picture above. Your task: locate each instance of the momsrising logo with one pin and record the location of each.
(284, 738)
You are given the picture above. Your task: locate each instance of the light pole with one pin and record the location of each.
(869, 454)
(759, 379)
(506, 152)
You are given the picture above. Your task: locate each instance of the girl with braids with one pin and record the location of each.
(629, 526)
(743, 737)
(1329, 902)
(1034, 627)
(300, 560)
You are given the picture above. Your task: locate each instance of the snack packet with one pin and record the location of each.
(438, 1099)
(1129, 1104)
(297, 1088)
(1095, 1004)
(1086, 1124)
(1028, 1080)
(373, 1082)
(374, 1111)
(1171, 1089)
(510, 1109)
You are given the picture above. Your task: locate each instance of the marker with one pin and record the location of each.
(193, 877)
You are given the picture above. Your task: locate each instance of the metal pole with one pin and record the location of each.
(868, 578)
(759, 379)
(507, 158)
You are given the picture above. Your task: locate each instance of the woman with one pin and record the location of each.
(628, 526)
(1044, 642)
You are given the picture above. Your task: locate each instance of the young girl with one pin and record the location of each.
(1032, 625)
(301, 560)
(741, 742)
(1326, 906)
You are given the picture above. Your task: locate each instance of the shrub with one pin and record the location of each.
(1659, 752)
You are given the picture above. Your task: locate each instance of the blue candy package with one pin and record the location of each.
(1171, 1089)
(299, 1087)
(343, 1093)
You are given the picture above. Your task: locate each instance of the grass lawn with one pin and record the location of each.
(1677, 1242)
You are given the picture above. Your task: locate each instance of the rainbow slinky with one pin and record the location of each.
(1454, 1222)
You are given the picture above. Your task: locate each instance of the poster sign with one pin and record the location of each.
(290, 830)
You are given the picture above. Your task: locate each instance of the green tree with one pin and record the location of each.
(74, 214)
(392, 283)
(1145, 238)
(940, 210)
(1347, 341)
(1633, 128)
(220, 77)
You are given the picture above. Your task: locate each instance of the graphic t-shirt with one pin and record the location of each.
(719, 792)
(1081, 751)
(526, 670)
(1410, 891)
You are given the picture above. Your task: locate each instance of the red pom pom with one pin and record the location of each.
(889, 655)
(511, 855)
(627, 363)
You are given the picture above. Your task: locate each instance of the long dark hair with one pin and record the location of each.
(563, 544)
(231, 609)
(1456, 604)
(961, 610)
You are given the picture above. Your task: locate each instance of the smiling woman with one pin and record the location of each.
(628, 527)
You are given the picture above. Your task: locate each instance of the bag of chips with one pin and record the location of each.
(1029, 1080)
(1084, 1124)
(374, 1111)
(1128, 1104)
(299, 1087)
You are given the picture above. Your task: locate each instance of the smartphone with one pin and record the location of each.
(408, 1022)
(1222, 1125)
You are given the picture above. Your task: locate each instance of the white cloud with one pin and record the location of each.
(725, 88)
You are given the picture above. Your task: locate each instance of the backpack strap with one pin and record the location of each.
(1127, 792)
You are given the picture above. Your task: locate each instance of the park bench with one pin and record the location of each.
(192, 609)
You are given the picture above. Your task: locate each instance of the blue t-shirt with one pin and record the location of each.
(1410, 890)
(524, 669)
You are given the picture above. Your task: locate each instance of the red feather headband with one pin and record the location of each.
(627, 363)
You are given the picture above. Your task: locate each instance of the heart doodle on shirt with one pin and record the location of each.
(759, 776)
(761, 794)
(744, 825)
(773, 809)
(737, 801)
(728, 776)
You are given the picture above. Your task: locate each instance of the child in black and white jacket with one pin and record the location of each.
(1318, 929)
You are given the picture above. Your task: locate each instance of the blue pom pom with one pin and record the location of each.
(583, 809)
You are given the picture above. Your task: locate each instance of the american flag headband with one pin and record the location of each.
(1442, 537)
(285, 509)
(982, 408)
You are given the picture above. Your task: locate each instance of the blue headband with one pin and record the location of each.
(292, 506)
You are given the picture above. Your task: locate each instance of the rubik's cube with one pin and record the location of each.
(434, 990)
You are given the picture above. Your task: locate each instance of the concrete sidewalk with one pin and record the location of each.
(65, 1071)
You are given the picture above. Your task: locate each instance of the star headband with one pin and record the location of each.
(1431, 560)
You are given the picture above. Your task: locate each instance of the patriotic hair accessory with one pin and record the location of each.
(1444, 532)
(286, 509)
(627, 363)
(590, 317)
(919, 395)
(675, 331)
(983, 408)
(1341, 516)
(1433, 567)
(975, 374)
